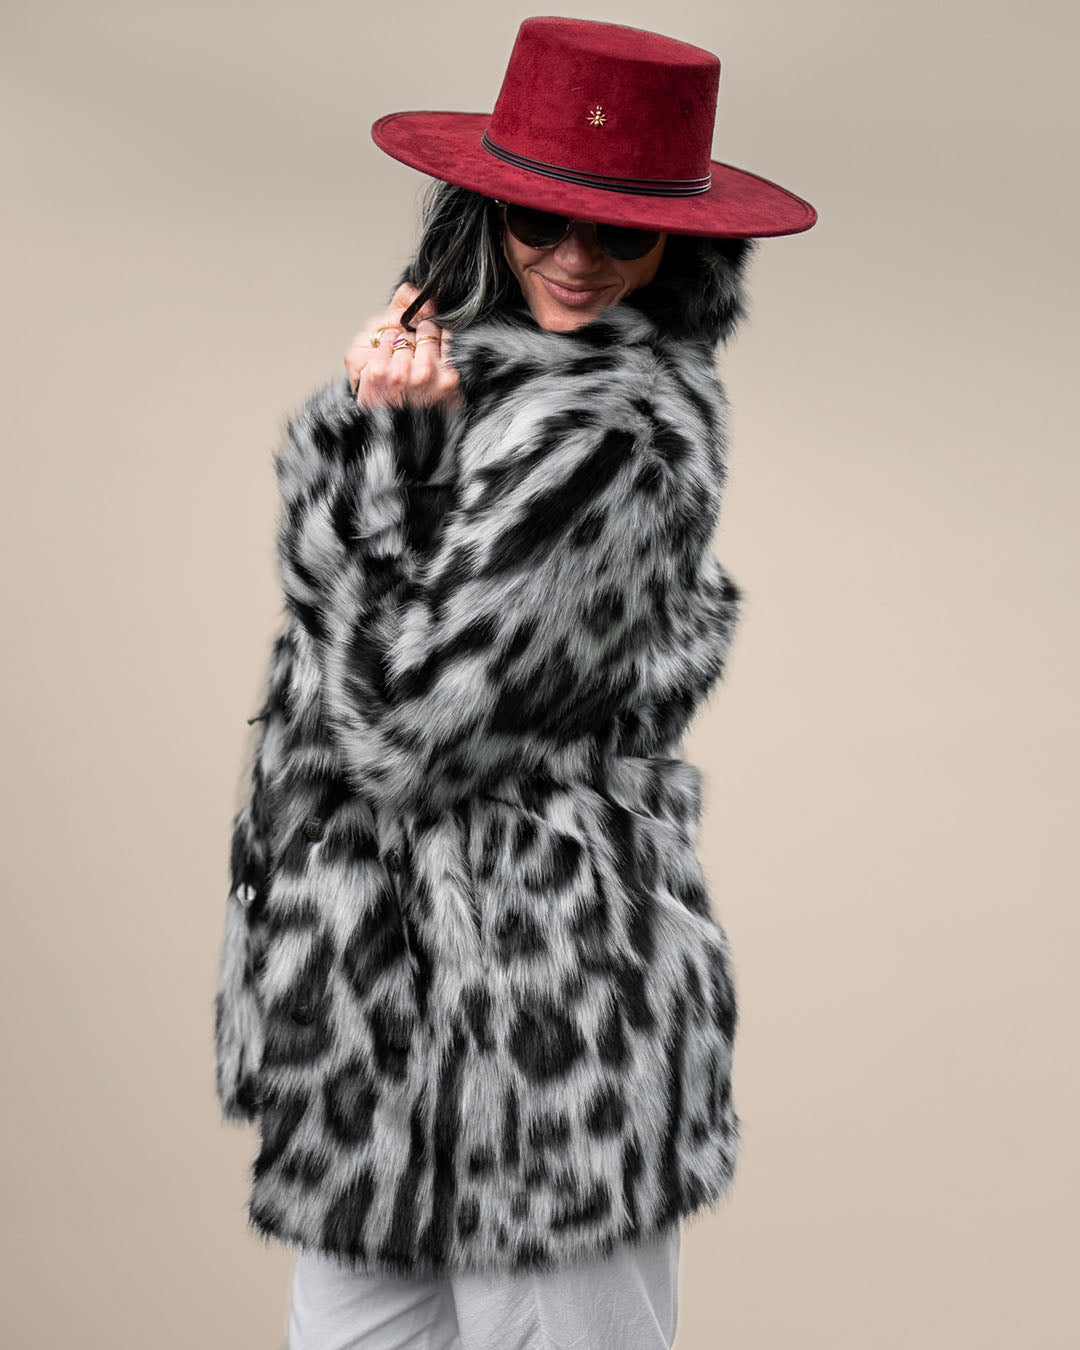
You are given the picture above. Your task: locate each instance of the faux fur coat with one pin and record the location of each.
(471, 988)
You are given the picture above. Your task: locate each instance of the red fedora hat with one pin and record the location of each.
(605, 123)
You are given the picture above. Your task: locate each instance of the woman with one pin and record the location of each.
(472, 991)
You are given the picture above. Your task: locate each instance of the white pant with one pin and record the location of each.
(626, 1301)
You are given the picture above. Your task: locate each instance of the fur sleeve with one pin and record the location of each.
(556, 600)
(341, 471)
(704, 621)
(237, 1019)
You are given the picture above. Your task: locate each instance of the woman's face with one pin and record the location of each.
(567, 285)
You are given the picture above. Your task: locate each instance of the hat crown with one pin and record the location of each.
(606, 101)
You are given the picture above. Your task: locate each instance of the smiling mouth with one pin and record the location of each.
(572, 294)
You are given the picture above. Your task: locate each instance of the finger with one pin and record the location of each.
(420, 373)
(398, 372)
(362, 390)
(382, 340)
(386, 330)
(390, 315)
(378, 361)
(359, 354)
(408, 294)
(443, 388)
(425, 312)
(405, 294)
(437, 337)
(450, 387)
(402, 299)
(378, 386)
(427, 374)
(395, 312)
(375, 334)
(428, 352)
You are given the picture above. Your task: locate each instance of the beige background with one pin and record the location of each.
(195, 222)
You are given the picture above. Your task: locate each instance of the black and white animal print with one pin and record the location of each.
(471, 989)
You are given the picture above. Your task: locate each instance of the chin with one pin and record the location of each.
(555, 318)
(566, 323)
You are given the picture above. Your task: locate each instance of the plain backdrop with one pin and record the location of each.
(195, 223)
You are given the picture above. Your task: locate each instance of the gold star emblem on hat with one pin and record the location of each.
(597, 116)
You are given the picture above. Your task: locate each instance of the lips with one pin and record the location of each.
(577, 297)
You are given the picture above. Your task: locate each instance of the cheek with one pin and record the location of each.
(512, 252)
(651, 267)
(637, 273)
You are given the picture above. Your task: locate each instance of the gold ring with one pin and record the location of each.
(376, 336)
(428, 337)
(400, 342)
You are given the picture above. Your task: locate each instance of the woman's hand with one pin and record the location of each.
(420, 374)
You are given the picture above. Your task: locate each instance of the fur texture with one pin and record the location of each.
(471, 988)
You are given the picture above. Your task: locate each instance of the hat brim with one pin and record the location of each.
(447, 145)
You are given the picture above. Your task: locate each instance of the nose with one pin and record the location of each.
(579, 251)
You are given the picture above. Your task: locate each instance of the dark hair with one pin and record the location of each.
(696, 293)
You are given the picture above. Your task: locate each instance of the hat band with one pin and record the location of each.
(647, 187)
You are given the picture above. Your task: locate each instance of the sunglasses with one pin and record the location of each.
(543, 229)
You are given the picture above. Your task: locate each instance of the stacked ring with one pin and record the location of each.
(376, 337)
(402, 341)
(428, 337)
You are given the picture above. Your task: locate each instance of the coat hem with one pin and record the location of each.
(269, 1228)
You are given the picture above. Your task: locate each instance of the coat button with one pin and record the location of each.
(313, 828)
(303, 1013)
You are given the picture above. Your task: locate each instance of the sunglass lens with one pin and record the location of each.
(537, 229)
(624, 243)
(541, 229)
